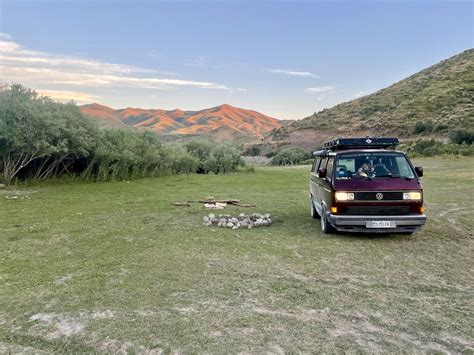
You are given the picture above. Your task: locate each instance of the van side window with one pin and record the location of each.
(329, 167)
(315, 165)
(323, 163)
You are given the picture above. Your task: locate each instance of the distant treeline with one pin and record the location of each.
(461, 144)
(41, 139)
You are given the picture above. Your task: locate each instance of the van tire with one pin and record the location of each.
(326, 228)
(314, 211)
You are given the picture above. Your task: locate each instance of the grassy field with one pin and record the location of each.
(115, 267)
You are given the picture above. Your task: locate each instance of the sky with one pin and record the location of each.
(285, 59)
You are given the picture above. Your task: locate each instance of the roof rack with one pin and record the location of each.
(361, 143)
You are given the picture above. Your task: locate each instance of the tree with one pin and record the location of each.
(24, 131)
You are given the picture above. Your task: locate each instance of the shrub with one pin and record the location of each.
(462, 136)
(215, 158)
(252, 151)
(223, 159)
(291, 156)
(432, 147)
(422, 127)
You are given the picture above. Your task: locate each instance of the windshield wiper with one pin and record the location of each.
(387, 175)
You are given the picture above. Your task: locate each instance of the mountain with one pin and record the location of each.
(224, 121)
(439, 98)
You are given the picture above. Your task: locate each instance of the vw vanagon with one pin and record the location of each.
(366, 185)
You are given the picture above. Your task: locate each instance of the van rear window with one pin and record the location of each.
(372, 165)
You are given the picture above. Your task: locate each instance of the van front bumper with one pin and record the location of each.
(350, 223)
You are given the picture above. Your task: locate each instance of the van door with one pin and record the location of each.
(318, 196)
(313, 182)
(326, 192)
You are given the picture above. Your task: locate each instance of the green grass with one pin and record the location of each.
(111, 267)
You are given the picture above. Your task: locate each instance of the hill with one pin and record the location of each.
(436, 100)
(224, 121)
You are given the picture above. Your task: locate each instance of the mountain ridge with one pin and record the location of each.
(439, 98)
(180, 122)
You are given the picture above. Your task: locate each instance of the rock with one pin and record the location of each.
(239, 222)
(2, 186)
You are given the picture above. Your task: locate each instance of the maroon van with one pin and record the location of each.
(365, 185)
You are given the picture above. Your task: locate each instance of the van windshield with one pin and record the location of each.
(372, 165)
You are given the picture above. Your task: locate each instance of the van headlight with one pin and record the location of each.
(412, 195)
(344, 196)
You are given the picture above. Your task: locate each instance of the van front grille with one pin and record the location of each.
(382, 196)
(378, 210)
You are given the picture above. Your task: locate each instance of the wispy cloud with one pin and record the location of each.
(292, 72)
(200, 61)
(154, 54)
(318, 89)
(5, 36)
(64, 95)
(21, 64)
(360, 94)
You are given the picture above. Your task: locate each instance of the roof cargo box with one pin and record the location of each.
(361, 143)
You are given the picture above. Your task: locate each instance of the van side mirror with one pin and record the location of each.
(419, 171)
(322, 173)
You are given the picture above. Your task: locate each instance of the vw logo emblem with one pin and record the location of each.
(379, 196)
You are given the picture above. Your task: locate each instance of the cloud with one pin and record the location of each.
(20, 64)
(154, 55)
(5, 36)
(360, 94)
(63, 95)
(328, 89)
(299, 73)
(198, 62)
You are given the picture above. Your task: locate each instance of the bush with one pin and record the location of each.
(252, 151)
(462, 136)
(215, 158)
(422, 127)
(432, 147)
(291, 156)
(223, 159)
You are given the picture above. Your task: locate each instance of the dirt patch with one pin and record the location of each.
(6, 348)
(63, 327)
(60, 280)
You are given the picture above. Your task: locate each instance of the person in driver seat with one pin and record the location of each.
(365, 170)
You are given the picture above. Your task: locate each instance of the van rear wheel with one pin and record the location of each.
(314, 211)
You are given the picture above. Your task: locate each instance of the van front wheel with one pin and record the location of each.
(325, 226)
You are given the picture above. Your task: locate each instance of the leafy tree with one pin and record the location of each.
(223, 159)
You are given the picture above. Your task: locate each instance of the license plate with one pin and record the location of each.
(380, 224)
